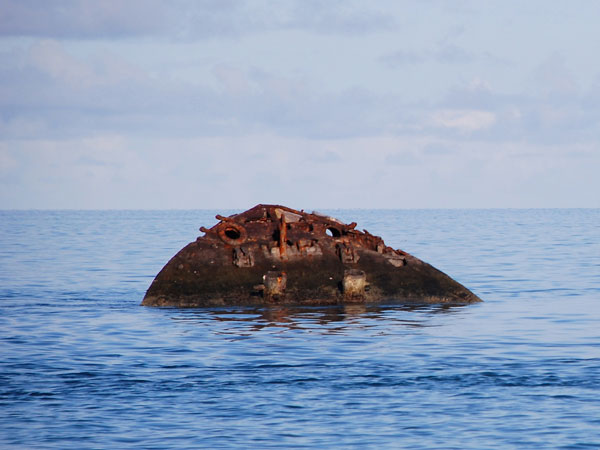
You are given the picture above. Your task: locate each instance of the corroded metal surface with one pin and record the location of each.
(272, 254)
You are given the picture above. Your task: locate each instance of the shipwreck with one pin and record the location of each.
(272, 254)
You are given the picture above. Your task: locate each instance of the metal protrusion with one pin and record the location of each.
(275, 283)
(242, 257)
(282, 237)
(347, 253)
(354, 283)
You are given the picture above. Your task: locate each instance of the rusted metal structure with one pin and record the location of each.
(272, 254)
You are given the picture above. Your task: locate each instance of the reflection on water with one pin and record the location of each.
(322, 319)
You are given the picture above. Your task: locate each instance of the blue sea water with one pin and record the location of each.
(82, 365)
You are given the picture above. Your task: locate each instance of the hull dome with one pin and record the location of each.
(272, 254)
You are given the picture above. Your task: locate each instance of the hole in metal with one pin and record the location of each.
(333, 232)
(232, 233)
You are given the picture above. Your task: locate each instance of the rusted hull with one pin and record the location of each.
(276, 255)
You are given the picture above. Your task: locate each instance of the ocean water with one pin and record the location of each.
(82, 365)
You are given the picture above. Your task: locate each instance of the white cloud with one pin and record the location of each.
(552, 77)
(464, 120)
(233, 80)
(7, 162)
(50, 58)
(478, 84)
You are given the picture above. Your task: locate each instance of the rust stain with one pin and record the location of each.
(293, 231)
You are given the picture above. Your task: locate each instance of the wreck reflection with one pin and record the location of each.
(325, 319)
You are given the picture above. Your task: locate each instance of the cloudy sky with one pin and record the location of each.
(152, 104)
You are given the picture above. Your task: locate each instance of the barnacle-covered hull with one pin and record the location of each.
(271, 254)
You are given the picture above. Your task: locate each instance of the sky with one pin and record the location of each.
(224, 104)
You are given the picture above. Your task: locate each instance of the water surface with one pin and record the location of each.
(82, 365)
